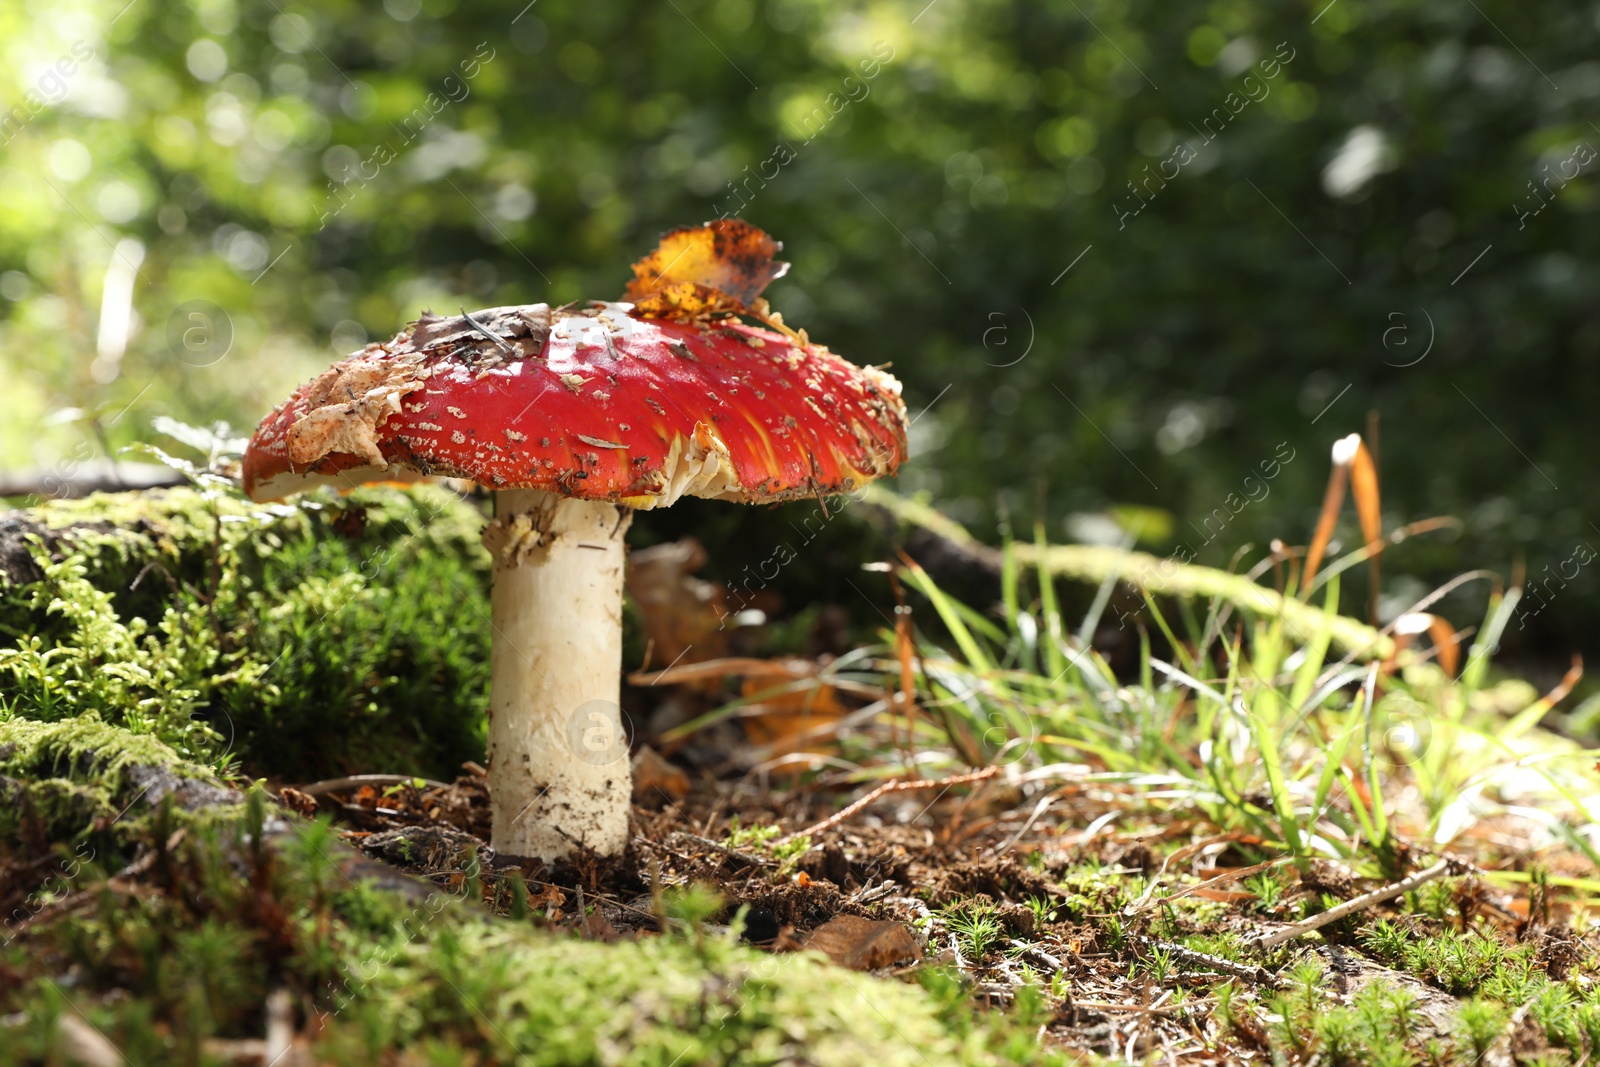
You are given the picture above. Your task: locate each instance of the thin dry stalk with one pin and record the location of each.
(1377, 896)
(883, 790)
(905, 650)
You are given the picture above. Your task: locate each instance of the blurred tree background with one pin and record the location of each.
(1122, 254)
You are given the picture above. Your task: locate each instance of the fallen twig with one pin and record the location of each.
(1220, 964)
(1154, 1009)
(1037, 953)
(749, 859)
(1366, 900)
(377, 781)
(883, 790)
(870, 893)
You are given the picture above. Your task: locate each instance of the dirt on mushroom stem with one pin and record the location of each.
(557, 749)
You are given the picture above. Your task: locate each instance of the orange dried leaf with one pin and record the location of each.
(787, 719)
(548, 897)
(696, 272)
(683, 615)
(1364, 487)
(1331, 500)
(1224, 896)
(655, 779)
(1446, 643)
(686, 302)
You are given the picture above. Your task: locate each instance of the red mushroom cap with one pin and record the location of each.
(637, 403)
(599, 403)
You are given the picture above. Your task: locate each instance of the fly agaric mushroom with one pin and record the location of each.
(575, 417)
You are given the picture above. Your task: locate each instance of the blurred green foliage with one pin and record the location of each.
(1269, 210)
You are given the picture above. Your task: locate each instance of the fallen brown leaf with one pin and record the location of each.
(864, 944)
(683, 615)
(296, 801)
(654, 778)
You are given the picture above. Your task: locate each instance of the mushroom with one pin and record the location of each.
(575, 417)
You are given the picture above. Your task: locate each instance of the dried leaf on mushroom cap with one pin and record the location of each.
(698, 273)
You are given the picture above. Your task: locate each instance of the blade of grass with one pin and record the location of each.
(1316, 653)
(951, 614)
(1010, 579)
(1501, 608)
(1380, 817)
(1055, 661)
(1011, 590)
(1097, 609)
(1269, 646)
(1333, 760)
(1172, 639)
(1587, 885)
(1267, 743)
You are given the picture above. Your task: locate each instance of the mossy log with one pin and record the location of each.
(1146, 573)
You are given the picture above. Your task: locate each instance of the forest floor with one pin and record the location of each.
(1282, 837)
(1136, 939)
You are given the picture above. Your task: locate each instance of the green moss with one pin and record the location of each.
(223, 919)
(653, 1001)
(236, 631)
(1467, 963)
(62, 777)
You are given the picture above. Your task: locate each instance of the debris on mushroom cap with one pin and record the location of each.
(600, 403)
(346, 404)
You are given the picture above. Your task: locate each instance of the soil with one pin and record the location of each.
(903, 859)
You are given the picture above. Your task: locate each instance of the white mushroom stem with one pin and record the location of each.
(558, 757)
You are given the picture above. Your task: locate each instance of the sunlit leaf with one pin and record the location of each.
(697, 272)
